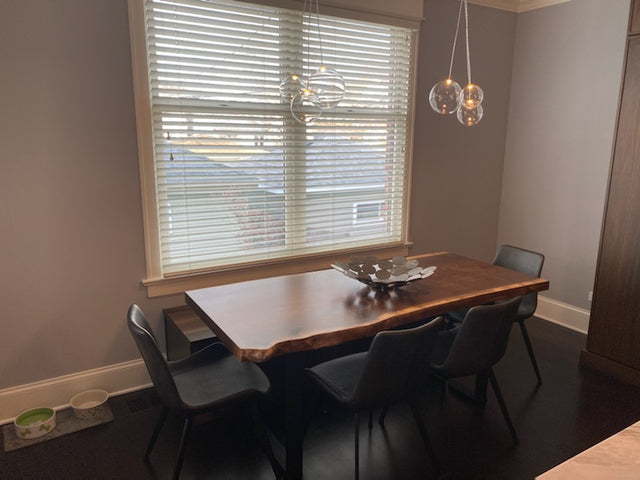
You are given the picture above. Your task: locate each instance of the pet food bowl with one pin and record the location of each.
(35, 423)
(89, 404)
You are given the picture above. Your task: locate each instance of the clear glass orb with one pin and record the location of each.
(471, 96)
(445, 96)
(328, 87)
(303, 109)
(290, 86)
(470, 116)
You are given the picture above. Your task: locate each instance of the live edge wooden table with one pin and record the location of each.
(288, 317)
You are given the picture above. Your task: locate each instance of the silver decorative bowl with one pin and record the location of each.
(384, 274)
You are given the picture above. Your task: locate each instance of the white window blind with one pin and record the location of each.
(237, 179)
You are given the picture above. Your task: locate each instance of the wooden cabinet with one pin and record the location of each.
(613, 342)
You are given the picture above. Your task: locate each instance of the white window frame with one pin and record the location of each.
(156, 283)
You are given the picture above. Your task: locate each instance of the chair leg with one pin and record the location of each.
(424, 435)
(444, 393)
(183, 441)
(503, 406)
(156, 432)
(356, 418)
(443, 404)
(263, 439)
(480, 389)
(370, 418)
(532, 356)
(382, 416)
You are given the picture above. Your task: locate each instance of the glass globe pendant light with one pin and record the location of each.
(323, 89)
(290, 86)
(471, 96)
(303, 109)
(470, 116)
(444, 96)
(327, 86)
(447, 96)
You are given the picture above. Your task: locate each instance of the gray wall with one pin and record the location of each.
(564, 97)
(71, 243)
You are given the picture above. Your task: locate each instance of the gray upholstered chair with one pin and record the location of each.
(475, 346)
(524, 261)
(202, 382)
(390, 372)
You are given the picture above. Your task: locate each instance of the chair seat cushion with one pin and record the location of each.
(205, 380)
(340, 376)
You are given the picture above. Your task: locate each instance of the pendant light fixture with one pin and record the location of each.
(470, 111)
(447, 96)
(321, 90)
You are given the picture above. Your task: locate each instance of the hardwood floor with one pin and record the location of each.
(573, 409)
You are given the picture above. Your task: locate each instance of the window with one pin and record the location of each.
(230, 177)
(367, 212)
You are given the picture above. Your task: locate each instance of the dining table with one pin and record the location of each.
(290, 319)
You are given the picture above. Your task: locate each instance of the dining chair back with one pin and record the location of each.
(478, 343)
(392, 370)
(200, 383)
(529, 262)
(475, 346)
(525, 261)
(396, 364)
(157, 366)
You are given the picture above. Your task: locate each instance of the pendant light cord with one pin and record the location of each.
(455, 40)
(304, 11)
(466, 28)
(319, 35)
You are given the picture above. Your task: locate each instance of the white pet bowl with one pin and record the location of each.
(89, 404)
(35, 423)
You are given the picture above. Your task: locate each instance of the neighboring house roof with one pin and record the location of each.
(349, 169)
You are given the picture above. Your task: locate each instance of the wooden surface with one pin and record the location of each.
(261, 319)
(185, 332)
(189, 323)
(614, 328)
(615, 458)
(635, 17)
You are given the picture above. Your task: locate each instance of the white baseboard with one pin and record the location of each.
(56, 392)
(563, 314)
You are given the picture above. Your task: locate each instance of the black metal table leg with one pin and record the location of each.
(295, 420)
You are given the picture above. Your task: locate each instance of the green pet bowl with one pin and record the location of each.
(35, 423)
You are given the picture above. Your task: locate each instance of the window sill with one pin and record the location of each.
(178, 284)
